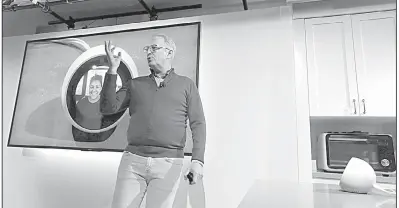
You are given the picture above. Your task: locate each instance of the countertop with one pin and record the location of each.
(299, 195)
(337, 176)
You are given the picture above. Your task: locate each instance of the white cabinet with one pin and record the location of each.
(351, 65)
(331, 67)
(374, 36)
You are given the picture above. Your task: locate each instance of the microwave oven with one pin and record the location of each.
(335, 149)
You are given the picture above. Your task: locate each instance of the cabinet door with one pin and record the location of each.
(374, 36)
(331, 67)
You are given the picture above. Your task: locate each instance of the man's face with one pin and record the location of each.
(158, 53)
(95, 89)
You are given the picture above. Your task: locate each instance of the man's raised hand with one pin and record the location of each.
(113, 60)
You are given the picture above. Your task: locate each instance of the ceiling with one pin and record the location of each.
(94, 8)
(110, 4)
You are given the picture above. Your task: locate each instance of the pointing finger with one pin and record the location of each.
(109, 44)
(106, 46)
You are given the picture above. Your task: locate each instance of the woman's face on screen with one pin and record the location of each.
(95, 89)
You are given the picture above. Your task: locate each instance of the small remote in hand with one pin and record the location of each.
(190, 177)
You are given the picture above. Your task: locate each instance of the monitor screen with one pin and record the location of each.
(57, 103)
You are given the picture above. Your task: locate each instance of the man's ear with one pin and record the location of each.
(171, 53)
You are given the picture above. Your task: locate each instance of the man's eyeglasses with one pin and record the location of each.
(152, 49)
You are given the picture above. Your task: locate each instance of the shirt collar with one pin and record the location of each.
(170, 71)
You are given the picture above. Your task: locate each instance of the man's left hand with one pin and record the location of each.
(196, 169)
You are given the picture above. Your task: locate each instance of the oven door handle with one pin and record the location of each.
(347, 139)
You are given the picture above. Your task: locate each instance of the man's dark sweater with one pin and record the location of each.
(158, 115)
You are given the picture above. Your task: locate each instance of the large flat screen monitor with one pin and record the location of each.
(61, 76)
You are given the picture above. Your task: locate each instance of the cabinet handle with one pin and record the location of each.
(364, 106)
(354, 105)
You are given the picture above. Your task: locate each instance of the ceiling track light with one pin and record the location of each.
(11, 5)
(46, 9)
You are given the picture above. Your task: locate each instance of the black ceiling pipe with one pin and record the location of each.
(101, 17)
(46, 9)
(170, 9)
(145, 6)
(152, 12)
(245, 3)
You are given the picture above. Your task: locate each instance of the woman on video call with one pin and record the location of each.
(88, 108)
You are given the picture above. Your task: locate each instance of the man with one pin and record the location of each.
(159, 106)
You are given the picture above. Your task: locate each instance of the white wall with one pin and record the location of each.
(247, 85)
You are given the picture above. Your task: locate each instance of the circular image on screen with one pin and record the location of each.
(82, 95)
(87, 96)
